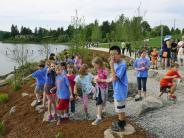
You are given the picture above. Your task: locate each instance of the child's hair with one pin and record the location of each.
(99, 61)
(174, 65)
(117, 48)
(41, 65)
(63, 64)
(72, 66)
(82, 71)
(50, 62)
(58, 67)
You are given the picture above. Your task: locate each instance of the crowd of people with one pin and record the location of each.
(63, 83)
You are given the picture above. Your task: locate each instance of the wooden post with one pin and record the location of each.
(15, 75)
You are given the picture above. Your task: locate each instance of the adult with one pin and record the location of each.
(173, 51)
(123, 46)
(181, 51)
(166, 51)
(142, 66)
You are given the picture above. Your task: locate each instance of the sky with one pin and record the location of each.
(59, 13)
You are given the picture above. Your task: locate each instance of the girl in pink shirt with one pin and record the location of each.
(102, 88)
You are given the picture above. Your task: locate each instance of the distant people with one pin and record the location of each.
(167, 82)
(149, 50)
(154, 57)
(173, 51)
(181, 51)
(123, 46)
(78, 61)
(101, 87)
(64, 68)
(142, 66)
(129, 48)
(52, 57)
(166, 51)
(120, 87)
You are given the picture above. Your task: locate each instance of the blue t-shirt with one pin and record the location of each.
(85, 83)
(120, 86)
(142, 62)
(39, 75)
(62, 84)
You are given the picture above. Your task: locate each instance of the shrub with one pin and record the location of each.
(3, 98)
(59, 135)
(16, 87)
(2, 128)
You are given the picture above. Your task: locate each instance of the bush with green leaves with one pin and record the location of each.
(2, 128)
(59, 135)
(3, 98)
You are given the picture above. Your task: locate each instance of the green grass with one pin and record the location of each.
(3, 98)
(2, 128)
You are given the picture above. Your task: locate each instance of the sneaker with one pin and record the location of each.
(96, 122)
(50, 118)
(172, 97)
(55, 116)
(138, 99)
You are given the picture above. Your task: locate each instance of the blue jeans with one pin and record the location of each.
(141, 81)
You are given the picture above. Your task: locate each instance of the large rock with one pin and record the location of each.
(10, 77)
(3, 82)
(150, 103)
(129, 130)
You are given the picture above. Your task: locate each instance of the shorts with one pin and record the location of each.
(47, 90)
(63, 104)
(39, 89)
(164, 89)
(102, 96)
(119, 106)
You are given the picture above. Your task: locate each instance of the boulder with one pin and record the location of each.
(150, 103)
(24, 94)
(33, 104)
(10, 77)
(129, 130)
(12, 110)
(3, 82)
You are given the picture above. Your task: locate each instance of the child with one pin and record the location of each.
(78, 61)
(167, 81)
(63, 67)
(51, 94)
(71, 77)
(120, 86)
(102, 88)
(142, 65)
(39, 75)
(154, 56)
(84, 81)
(64, 93)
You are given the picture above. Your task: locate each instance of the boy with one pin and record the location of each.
(39, 75)
(167, 81)
(64, 93)
(120, 86)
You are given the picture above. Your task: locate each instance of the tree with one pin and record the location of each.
(96, 32)
(14, 30)
(105, 28)
(183, 31)
(146, 29)
(178, 31)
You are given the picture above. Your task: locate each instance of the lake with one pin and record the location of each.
(34, 52)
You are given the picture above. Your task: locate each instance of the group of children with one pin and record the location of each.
(63, 84)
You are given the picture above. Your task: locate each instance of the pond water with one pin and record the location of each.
(33, 52)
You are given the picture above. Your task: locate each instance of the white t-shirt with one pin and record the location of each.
(181, 50)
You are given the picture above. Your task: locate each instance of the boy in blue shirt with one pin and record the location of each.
(39, 75)
(120, 86)
(142, 66)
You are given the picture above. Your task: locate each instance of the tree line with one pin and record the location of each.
(123, 29)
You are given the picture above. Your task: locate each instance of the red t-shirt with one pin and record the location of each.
(71, 79)
(167, 82)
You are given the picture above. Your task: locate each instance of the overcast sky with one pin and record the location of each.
(57, 13)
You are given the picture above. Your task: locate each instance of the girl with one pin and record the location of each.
(84, 81)
(102, 88)
(64, 93)
(51, 93)
(166, 51)
(154, 56)
(78, 61)
(71, 77)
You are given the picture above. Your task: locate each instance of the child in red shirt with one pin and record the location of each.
(71, 77)
(167, 81)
